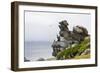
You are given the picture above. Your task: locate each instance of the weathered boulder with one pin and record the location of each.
(80, 30)
(63, 25)
(41, 59)
(26, 60)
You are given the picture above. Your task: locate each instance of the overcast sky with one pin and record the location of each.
(43, 26)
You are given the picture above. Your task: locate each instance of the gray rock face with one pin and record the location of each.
(80, 30)
(87, 51)
(69, 37)
(26, 60)
(59, 46)
(41, 59)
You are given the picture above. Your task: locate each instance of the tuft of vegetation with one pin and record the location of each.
(74, 51)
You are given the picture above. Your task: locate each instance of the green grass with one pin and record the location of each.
(76, 50)
(82, 56)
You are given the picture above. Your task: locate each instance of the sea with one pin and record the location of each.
(38, 49)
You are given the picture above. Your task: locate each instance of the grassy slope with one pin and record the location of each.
(82, 56)
(75, 52)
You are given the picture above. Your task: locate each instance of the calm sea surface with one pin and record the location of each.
(35, 50)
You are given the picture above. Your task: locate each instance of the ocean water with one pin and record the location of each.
(36, 50)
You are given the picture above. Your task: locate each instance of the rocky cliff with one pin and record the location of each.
(69, 43)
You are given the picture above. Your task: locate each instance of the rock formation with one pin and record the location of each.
(26, 60)
(66, 38)
(41, 59)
